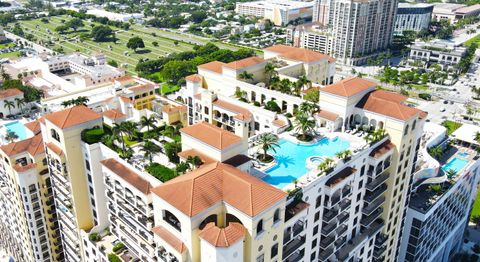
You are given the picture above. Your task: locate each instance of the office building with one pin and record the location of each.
(280, 12)
(412, 17)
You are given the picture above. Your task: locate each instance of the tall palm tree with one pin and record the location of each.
(11, 136)
(9, 104)
(246, 76)
(270, 72)
(129, 128)
(109, 140)
(436, 152)
(267, 142)
(285, 86)
(477, 137)
(194, 161)
(4, 74)
(148, 122)
(450, 174)
(118, 131)
(149, 149)
(307, 108)
(81, 100)
(305, 125)
(303, 81)
(20, 103)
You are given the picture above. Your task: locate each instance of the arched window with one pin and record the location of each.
(406, 131)
(414, 124)
(260, 226)
(55, 135)
(276, 216)
(172, 220)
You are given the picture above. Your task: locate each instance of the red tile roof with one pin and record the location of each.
(223, 237)
(113, 114)
(349, 86)
(57, 150)
(214, 66)
(142, 88)
(299, 54)
(169, 238)
(193, 152)
(327, 115)
(19, 168)
(34, 126)
(246, 62)
(212, 184)
(128, 175)
(194, 78)
(387, 104)
(211, 135)
(279, 123)
(242, 113)
(72, 116)
(10, 92)
(33, 146)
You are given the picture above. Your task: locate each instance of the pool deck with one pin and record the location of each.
(356, 145)
(3, 129)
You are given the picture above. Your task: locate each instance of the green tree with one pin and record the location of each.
(304, 125)
(155, 43)
(267, 142)
(245, 76)
(135, 43)
(9, 104)
(436, 152)
(148, 122)
(75, 23)
(451, 173)
(112, 62)
(269, 73)
(307, 108)
(101, 33)
(175, 42)
(149, 149)
(194, 161)
(477, 137)
(11, 136)
(312, 96)
(171, 150)
(61, 29)
(20, 103)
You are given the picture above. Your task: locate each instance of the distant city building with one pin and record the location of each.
(441, 52)
(359, 29)
(443, 193)
(454, 12)
(120, 17)
(310, 36)
(280, 12)
(412, 17)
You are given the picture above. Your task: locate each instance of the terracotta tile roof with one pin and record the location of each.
(279, 123)
(246, 62)
(349, 86)
(34, 126)
(57, 150)
(125, 99)
(212, 184)
(299, 54)
(10, 92)
(193, 152)
(198, 96)
(384, 106)
(391, 96)
(173, 109)
(382, 149)
(214, 66)
(327, 115)
(124, 79)
(33, 146)
(170, 239)
(72, 116)
(19, 168)
(423, 114)
(223, 237)
(242, 113)
(128, 175)
(194, 78)
(142, 88)
(211, 135)
(113, 114)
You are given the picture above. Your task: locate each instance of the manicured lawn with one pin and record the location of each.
(419, 87)
(476, 39)
(128, 142)
(451, 126)
(10, 55)
(6, 45)
(168, 88)
(476, 206)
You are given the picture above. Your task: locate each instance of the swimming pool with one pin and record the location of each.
(464, 154)
(291, 159)
(456, 164)
(18, 128)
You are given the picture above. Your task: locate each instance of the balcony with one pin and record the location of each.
(375, 194)
(340, 242)
(344, 253)
(374, 184)
(344, 204)
(341, 230)
(366, 221)
(327, 241)
(346, 191)
(329, 215)
(378, 252)
(295, 208)
(373, 206)
(293, 245)
(380, 240)
(328, 228)
(324, 255)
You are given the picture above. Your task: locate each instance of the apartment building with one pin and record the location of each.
(280, 12)
(28, 219)
(359, 29)
(311, 36)
(453, 12)
(412, 17)
(441, 52)
(61, 132)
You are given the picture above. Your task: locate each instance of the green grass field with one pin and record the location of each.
(476, 206)
(476, 39)
(70, 42)
(451, 126)
(10, 55)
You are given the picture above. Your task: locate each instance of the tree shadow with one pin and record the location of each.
(143, 51)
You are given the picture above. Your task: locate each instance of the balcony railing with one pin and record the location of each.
(375, 194)
(327, 241)
(344, 204)
(366, 221)
(374, 184)
(328, 228)
(293, 245)
(380, 239)
(373, 206)
(329, 215)
(343, 217)
(341, 230)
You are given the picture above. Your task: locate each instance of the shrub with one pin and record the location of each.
(94, 237)
(93, 135)
(113, 258)
(425, 96)
(272, 106)
(118, 247)
(288, 115)
(160, 172)
(256, 103)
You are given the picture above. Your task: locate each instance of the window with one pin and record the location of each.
(274, 250)
(260, 227)
(260, 258)
(87, 165)
(276, 216)
(55, 135)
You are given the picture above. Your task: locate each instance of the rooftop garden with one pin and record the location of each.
(451, 126)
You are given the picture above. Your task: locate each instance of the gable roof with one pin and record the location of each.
(170, 238)
(128, 175)
(246, 62)
(298, 54)
(211, 135)
(194, 78)
(214, 66)
(242, 113)
(222, 237)
(33, 146)
(217, 182)
(72, 116)
(113, 114)
(388, 104)
(349, 86)
(142, 88)
(34, 126)
(10, 92)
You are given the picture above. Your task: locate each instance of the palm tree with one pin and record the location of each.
(477, 137)
(303, 81)
(246, 76)
(305, 125)
(148, 122)
(450, 174)
(20, 103)
(9, 104)
(109, 140)
(129, 128)
(4, 74)
(149, 149)
(118, 131)
(194, 161)
(126, 153)
(347, 153)
(81, 100)
(307, 108)
(436, 152)
(11, 136)
(267, 142)
(269, 73)
(66, 103)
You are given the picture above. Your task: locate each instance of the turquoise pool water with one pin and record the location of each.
(456, 164)
(291, 159)
(18, 128)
